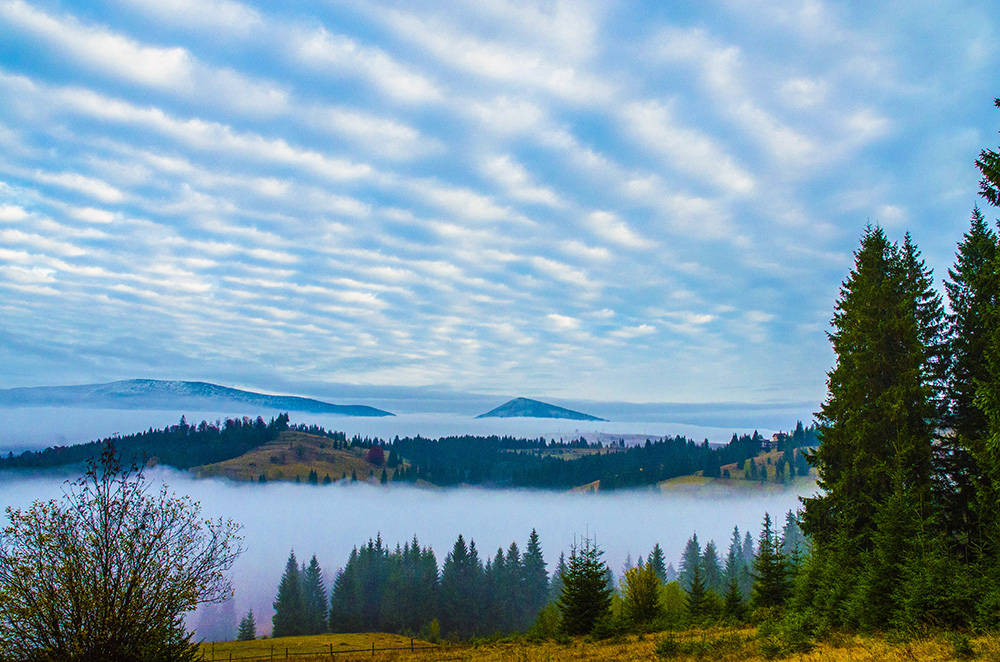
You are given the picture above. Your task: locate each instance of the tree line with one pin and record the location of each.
(181, 446)
(402, 590)
(495, 461)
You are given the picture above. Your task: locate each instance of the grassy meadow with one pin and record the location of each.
(716, 644)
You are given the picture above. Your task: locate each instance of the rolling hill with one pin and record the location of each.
(166, 395)
(528, 408)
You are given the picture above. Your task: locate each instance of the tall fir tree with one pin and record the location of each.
(535, 580)
(288, 607)
(973, 294)
(879, 419)
(712, 568)
(586, 595)
(772, 586)
(556, 585)
(690, 560)
(735, 569)
(658, 562)
(462, 584)
(248, 628)
(989, 165)
(698, 601)
(314, 601)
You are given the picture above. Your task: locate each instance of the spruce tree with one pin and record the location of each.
(248, 628)
(690, 560)
(698, 602)
(288, 607)
(734, 571)
(878, 421)
(556, 585)
(585, 595)
(535, 580)
(989, 164)
(771, 586)
(462, 584)
(658, 562)
(314, 602)
(712, 569)
(972, 293)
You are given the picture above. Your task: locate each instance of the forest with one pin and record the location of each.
(402, 590)
(904, 534)
(492, 461)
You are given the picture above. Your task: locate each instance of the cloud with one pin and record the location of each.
(213, 16)
(689, 151)
(609, 227)
(630, 332)
(323, 50)
(74, 181)
(563, 322)
(502, 62)
(518, 182)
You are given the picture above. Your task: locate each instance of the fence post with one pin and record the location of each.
(331, 652)
(373, 649)
(411, 644)
(286, 652)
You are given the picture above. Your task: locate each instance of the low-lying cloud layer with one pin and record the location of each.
(330, 521)
(577, 198)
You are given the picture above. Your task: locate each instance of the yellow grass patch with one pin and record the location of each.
(295, 454)
(716, 644)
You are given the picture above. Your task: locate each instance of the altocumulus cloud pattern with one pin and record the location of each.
(591, 199)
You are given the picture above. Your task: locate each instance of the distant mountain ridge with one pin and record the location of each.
(528, 408)
(159, 394)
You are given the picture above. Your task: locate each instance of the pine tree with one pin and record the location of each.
(556, 585)
(658, 562)
(793, 542)
(248, 628)
(881, 408)
(462, 580)
(735, 570)
(585, 595)
(712, 569)
(747, 554)
(989, 164)
(314, 599)
(771, 588)
(690, 560)
(288, 607)
(535, 580)
(698, 603)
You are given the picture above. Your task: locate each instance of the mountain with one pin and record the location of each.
(159, 395)
(527, 408)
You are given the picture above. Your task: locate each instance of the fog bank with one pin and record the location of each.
(31, 428)
(329, 521)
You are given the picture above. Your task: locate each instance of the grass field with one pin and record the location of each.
(294, 454)
(720, 644)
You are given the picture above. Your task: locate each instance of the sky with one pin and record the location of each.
(637, 202)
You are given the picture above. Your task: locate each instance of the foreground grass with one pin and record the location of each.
(718, 644)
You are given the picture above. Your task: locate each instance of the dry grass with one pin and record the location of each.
(713, 645)
(316, 647)
(295, 454)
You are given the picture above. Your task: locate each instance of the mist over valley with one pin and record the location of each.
(329, 521)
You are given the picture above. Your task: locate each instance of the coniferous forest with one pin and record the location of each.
(904, 533)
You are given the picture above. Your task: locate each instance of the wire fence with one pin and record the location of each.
(288, 653)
